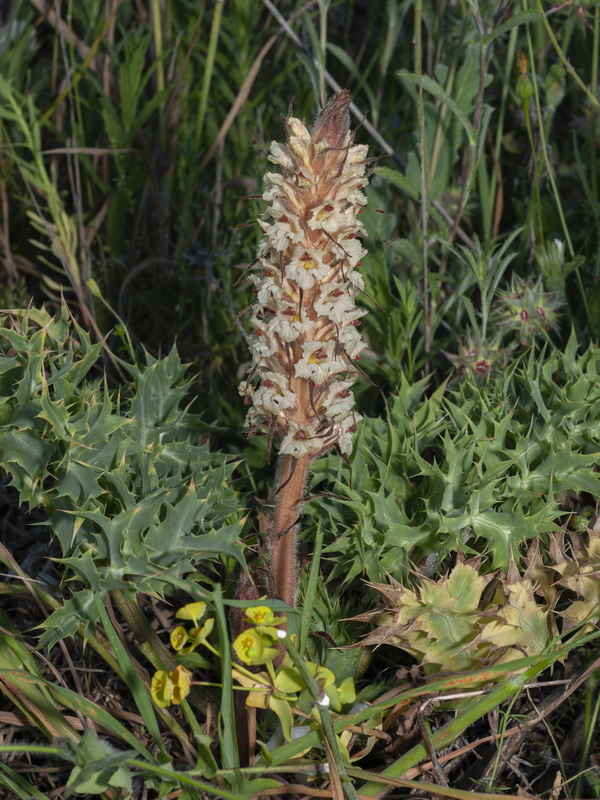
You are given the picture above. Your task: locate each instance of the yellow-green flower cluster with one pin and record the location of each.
(258, 645)
(185, 641)
(171, 688)
(279, 689)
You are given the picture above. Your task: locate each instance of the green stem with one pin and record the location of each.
(169, 774)
(323, 703)
(158, 44)
(208, 69)
(134, 763)
(311, 588)
(535, 208)
(449, 732)
(594, 110)
(159, 656)
(510, 59)
(227, 729)
(590, 723)
(40, 749)
(550, 172)
(559, 52)
(135, 684)
(418, 57)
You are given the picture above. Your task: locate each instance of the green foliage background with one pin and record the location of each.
(132, 153)
(123, 163)
(123, 166)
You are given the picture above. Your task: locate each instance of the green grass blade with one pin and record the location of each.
(21, 788)
(140, 694)
(76, 702)
(311, 588)
(229, 750)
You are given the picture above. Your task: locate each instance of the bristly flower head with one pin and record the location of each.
(528, 311)
(305, 339)
(478, 358)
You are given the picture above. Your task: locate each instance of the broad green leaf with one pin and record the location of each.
(399, 180)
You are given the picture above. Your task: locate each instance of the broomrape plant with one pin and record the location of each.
(305, 341)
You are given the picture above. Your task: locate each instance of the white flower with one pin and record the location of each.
(273, 395)
(355, 225)
(351, 341)
(282, 156)
(252, 418)
(283, 232)
(357, 153)
(350, 250)
(356, 279)
(276, 186)
(318, 362)
(288, 328)
(355, 165)
(283, 206)
(305, 318)
(306, 267)
(338, 401)
(335, 302)
(300, 140)
(346, 428)
(356, 198)
(269, 291)
(300, 440)
(246, 389)
(327, 217)
(262, 344)
(299, 129)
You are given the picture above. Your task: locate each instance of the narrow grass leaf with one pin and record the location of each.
(436, 90)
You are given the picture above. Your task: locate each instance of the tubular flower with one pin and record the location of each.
(305, 338)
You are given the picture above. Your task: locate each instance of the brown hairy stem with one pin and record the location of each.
(292, 474)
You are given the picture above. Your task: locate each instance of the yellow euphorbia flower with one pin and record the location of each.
(199, 635)
(193, 611)
(254, 646)
(179, 637)
(261, 615)
(161, 689)
(170, 688)
(182, 682)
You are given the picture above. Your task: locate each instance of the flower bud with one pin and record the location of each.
(524, 87)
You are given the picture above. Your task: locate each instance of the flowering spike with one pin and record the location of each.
(305, 320)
